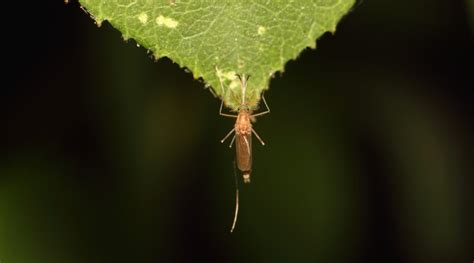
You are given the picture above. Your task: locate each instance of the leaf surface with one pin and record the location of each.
(218, 39)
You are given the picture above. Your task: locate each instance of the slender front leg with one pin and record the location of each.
(225, 114)
(264, 112)
(222, 96)
(227, 136)
(258, 137)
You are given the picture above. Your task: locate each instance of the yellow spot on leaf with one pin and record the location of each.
(226, 76)
(261, 30)
(230, 75)
(166, 21)
(143, 17)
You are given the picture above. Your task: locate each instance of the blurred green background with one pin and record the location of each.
(109, 156)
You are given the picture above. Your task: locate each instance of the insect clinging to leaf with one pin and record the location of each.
(243, 130)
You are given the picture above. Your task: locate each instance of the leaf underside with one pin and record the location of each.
(217, 39)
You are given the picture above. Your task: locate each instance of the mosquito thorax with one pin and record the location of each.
(243, 124)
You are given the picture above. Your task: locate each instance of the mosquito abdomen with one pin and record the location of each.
(243, 147)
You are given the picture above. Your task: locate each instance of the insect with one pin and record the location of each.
(243, 131)
(243, 138)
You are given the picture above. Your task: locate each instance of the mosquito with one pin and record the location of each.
(243, 131)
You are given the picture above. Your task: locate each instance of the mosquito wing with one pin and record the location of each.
(243, 147)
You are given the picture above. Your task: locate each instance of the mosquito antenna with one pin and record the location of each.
(236, 211)
(244, 87)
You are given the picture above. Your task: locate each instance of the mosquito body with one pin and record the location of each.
(243, 143)
(243, 132)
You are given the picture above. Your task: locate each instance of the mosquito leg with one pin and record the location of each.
(258, 137)
(243, 80)
(225, 114)
(236, 211)
(220, 80)
(222, 97)
(212, 92)
(227, 136)
(232, 141)
(263, 112)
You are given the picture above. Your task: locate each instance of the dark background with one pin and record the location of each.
(109, 156)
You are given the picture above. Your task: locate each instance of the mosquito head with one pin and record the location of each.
(244, 108)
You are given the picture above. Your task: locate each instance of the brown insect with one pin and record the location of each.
(243, 138)
(243, 131)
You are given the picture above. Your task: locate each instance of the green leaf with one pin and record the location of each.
(219, 38)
